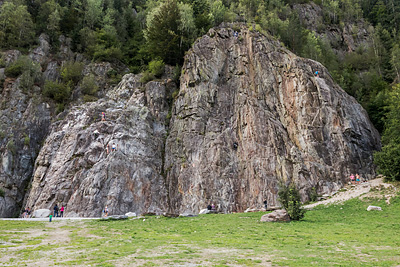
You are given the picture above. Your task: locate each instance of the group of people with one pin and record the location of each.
(114, 147)
(27, 213)
(211, 207)
(355, 179)
(59, 212)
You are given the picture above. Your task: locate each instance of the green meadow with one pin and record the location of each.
(337, 235)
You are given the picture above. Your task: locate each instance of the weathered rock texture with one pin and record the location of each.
(25, 118)
(74, 168)
(24, 124)
(249, 114)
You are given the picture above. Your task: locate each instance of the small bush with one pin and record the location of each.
(26, 140)
(58, 91)
(15, 69)
(113, 76)
(89, 98)
(146, 77)
(60, 108)
(28, 70)
(11, 146)
(156, 67)
(31, 75)
(89, 86)
(289, 197)
(72, 72)
(2, 192)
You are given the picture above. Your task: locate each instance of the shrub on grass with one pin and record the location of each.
(289, 197)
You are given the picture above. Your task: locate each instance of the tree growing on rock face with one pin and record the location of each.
(289, 197)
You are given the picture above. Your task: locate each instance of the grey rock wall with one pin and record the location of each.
(250, 114)
(74, 168)
(24, 124)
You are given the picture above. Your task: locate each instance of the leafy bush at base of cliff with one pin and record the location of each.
(58, 91)
(2, 193)
(289, 197)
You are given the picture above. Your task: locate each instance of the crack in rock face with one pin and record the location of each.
(249, 114)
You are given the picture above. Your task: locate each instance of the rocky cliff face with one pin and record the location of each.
(24, 124)
(248, 115)
(25, 118)
(77, 166)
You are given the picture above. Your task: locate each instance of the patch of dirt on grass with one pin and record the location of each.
(53, 236)
(199, 257)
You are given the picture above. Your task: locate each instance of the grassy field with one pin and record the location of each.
(338, 235)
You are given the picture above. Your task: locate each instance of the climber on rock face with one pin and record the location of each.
(114, 147)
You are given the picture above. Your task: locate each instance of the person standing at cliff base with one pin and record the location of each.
(62, 211)
(56, 211)
(352, 179)
(103, 116)
(105, 211)
(358, 179)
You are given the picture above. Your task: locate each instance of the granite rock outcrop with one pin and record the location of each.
(251, 114)
(248, 115)
(77, 166)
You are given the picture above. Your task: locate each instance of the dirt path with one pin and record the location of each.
(353, 191)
